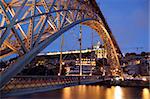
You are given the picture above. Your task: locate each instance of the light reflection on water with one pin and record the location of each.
(146, 93)
(91, 92)
(101, 92)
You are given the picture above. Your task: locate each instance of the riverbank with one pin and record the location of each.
(126, 83)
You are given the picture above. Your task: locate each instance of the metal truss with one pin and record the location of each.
(28, 26)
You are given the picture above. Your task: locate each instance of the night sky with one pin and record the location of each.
(128, 20)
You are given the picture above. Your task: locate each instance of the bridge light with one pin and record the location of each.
(90, 74)
(144, 79)
(58, 74)
(117, 69)
(117, 78)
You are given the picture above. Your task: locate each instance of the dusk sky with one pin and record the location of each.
(128, 20)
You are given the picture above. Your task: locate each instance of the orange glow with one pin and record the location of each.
(114, 93)
(66, 93)
(118, 93)
(144, 79)
(146, 93)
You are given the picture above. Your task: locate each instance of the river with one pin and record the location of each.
(91, 92)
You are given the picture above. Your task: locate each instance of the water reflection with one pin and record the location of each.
(118, 92)
(115, 92)
(66, 93)
(101, 92)
(146, 93)
(91, 92)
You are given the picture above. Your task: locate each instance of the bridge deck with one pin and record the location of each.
(28, 85)
(21, 85)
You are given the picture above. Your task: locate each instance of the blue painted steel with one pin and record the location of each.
(41, 30)
(5, 34)
(7, 31)
(49, 13)
(32, 26)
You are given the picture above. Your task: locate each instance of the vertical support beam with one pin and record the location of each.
(64, 16)
(80, 40)
(91, 58)
(61, 47)
(76, 15)
(41, 30)
(31, 26)
(92, 40)
(58, 15)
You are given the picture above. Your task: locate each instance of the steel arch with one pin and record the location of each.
(56, 18)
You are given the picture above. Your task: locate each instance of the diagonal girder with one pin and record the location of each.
(5, 34)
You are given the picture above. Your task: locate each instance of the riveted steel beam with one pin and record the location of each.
(31, 26)
(5, 34)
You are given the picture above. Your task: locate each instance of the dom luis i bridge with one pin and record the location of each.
(29, 26)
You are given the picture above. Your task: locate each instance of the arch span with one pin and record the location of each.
(27, 44)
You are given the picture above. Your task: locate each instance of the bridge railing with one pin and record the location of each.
(22, 82)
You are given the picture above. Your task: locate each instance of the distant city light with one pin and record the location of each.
(58, 74)
(117, 78)
(144, 79)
